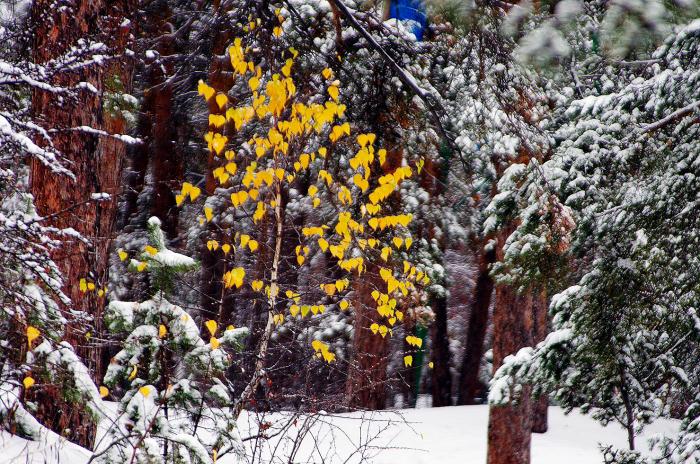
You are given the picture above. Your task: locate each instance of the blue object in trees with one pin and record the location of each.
(411, 11)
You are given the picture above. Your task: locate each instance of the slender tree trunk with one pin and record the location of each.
(469, 384)
(366, 385)
(540, 404)
(95, 162)
(442, 378)
(510, 425)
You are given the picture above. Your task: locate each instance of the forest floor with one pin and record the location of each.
(409, 436)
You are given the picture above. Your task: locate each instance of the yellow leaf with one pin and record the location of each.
(316, 202)
(150, 250)
(305, 310)
(141, 266)
(226, 248)
(28, 382)
(327, 73)
(103, 391)
(32, 334)
(211, 326)
(398, 241)
(214, 342)
(134, 371)
(294, 310)
(408, 242)
(91, 286)
(244, 240)
(431, 365)
(333, 92)
(221, 100)
(122, 254)
(323, 244)
(257, 285)
(179, 198)
(374, 328)
(253, 245)
(277, 31)
(194, 193)
(300, 260)
(344, 305)
(253, 83)
(162, 331)
(208, 213)
(83, 285)
(408, 361)
(145, 391)
(383, 330)
(205, 90)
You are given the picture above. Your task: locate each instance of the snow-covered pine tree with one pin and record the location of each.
(627, 335)
(176, 404)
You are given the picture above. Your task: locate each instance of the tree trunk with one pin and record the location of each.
(469, 384)
(366, 385)
(510, 425)
(96, 164)
(442, 378)
(540, 404)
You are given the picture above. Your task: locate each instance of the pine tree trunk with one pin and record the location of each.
(540, 404)
(366, 384)
(95, 162)
(469, 384)
(442, 378)
(510, 425)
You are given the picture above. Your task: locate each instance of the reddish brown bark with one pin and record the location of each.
(469, 384)
(540, 404)
(95, 162)
(442, 378)
(366, 385)
(510, 425)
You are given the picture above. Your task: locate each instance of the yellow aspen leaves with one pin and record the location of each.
(211, 326)
(244, 239)
(383, 330)
(134, 371)
(190, 190)
(256, 285)
(431, 365)
(104, 391)
(141, 266)
(212, 245)
(83, 285)
(294, 310)
(327, 73)
(145, 391)
(32, 334)
(278, 319)
(205, 90)
(253, 245)
(386, 252)
(277, 31)
(414, 341)
(226, 248)
(322, 351)
(343, 305)
(214, 343)
(208, 213)
(28, 382)
(122, 254)
(408, 242)
(162, 331)
(408, 361)
(150, 250)
(419, 165)
(234, 277)
(397, 241)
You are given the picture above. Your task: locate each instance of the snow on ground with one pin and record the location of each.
(448, 435)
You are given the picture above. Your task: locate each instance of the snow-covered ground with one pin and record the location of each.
(411, 436)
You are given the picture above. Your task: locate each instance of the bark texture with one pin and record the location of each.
(469, 384)
(510, 426)
(95, 162)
